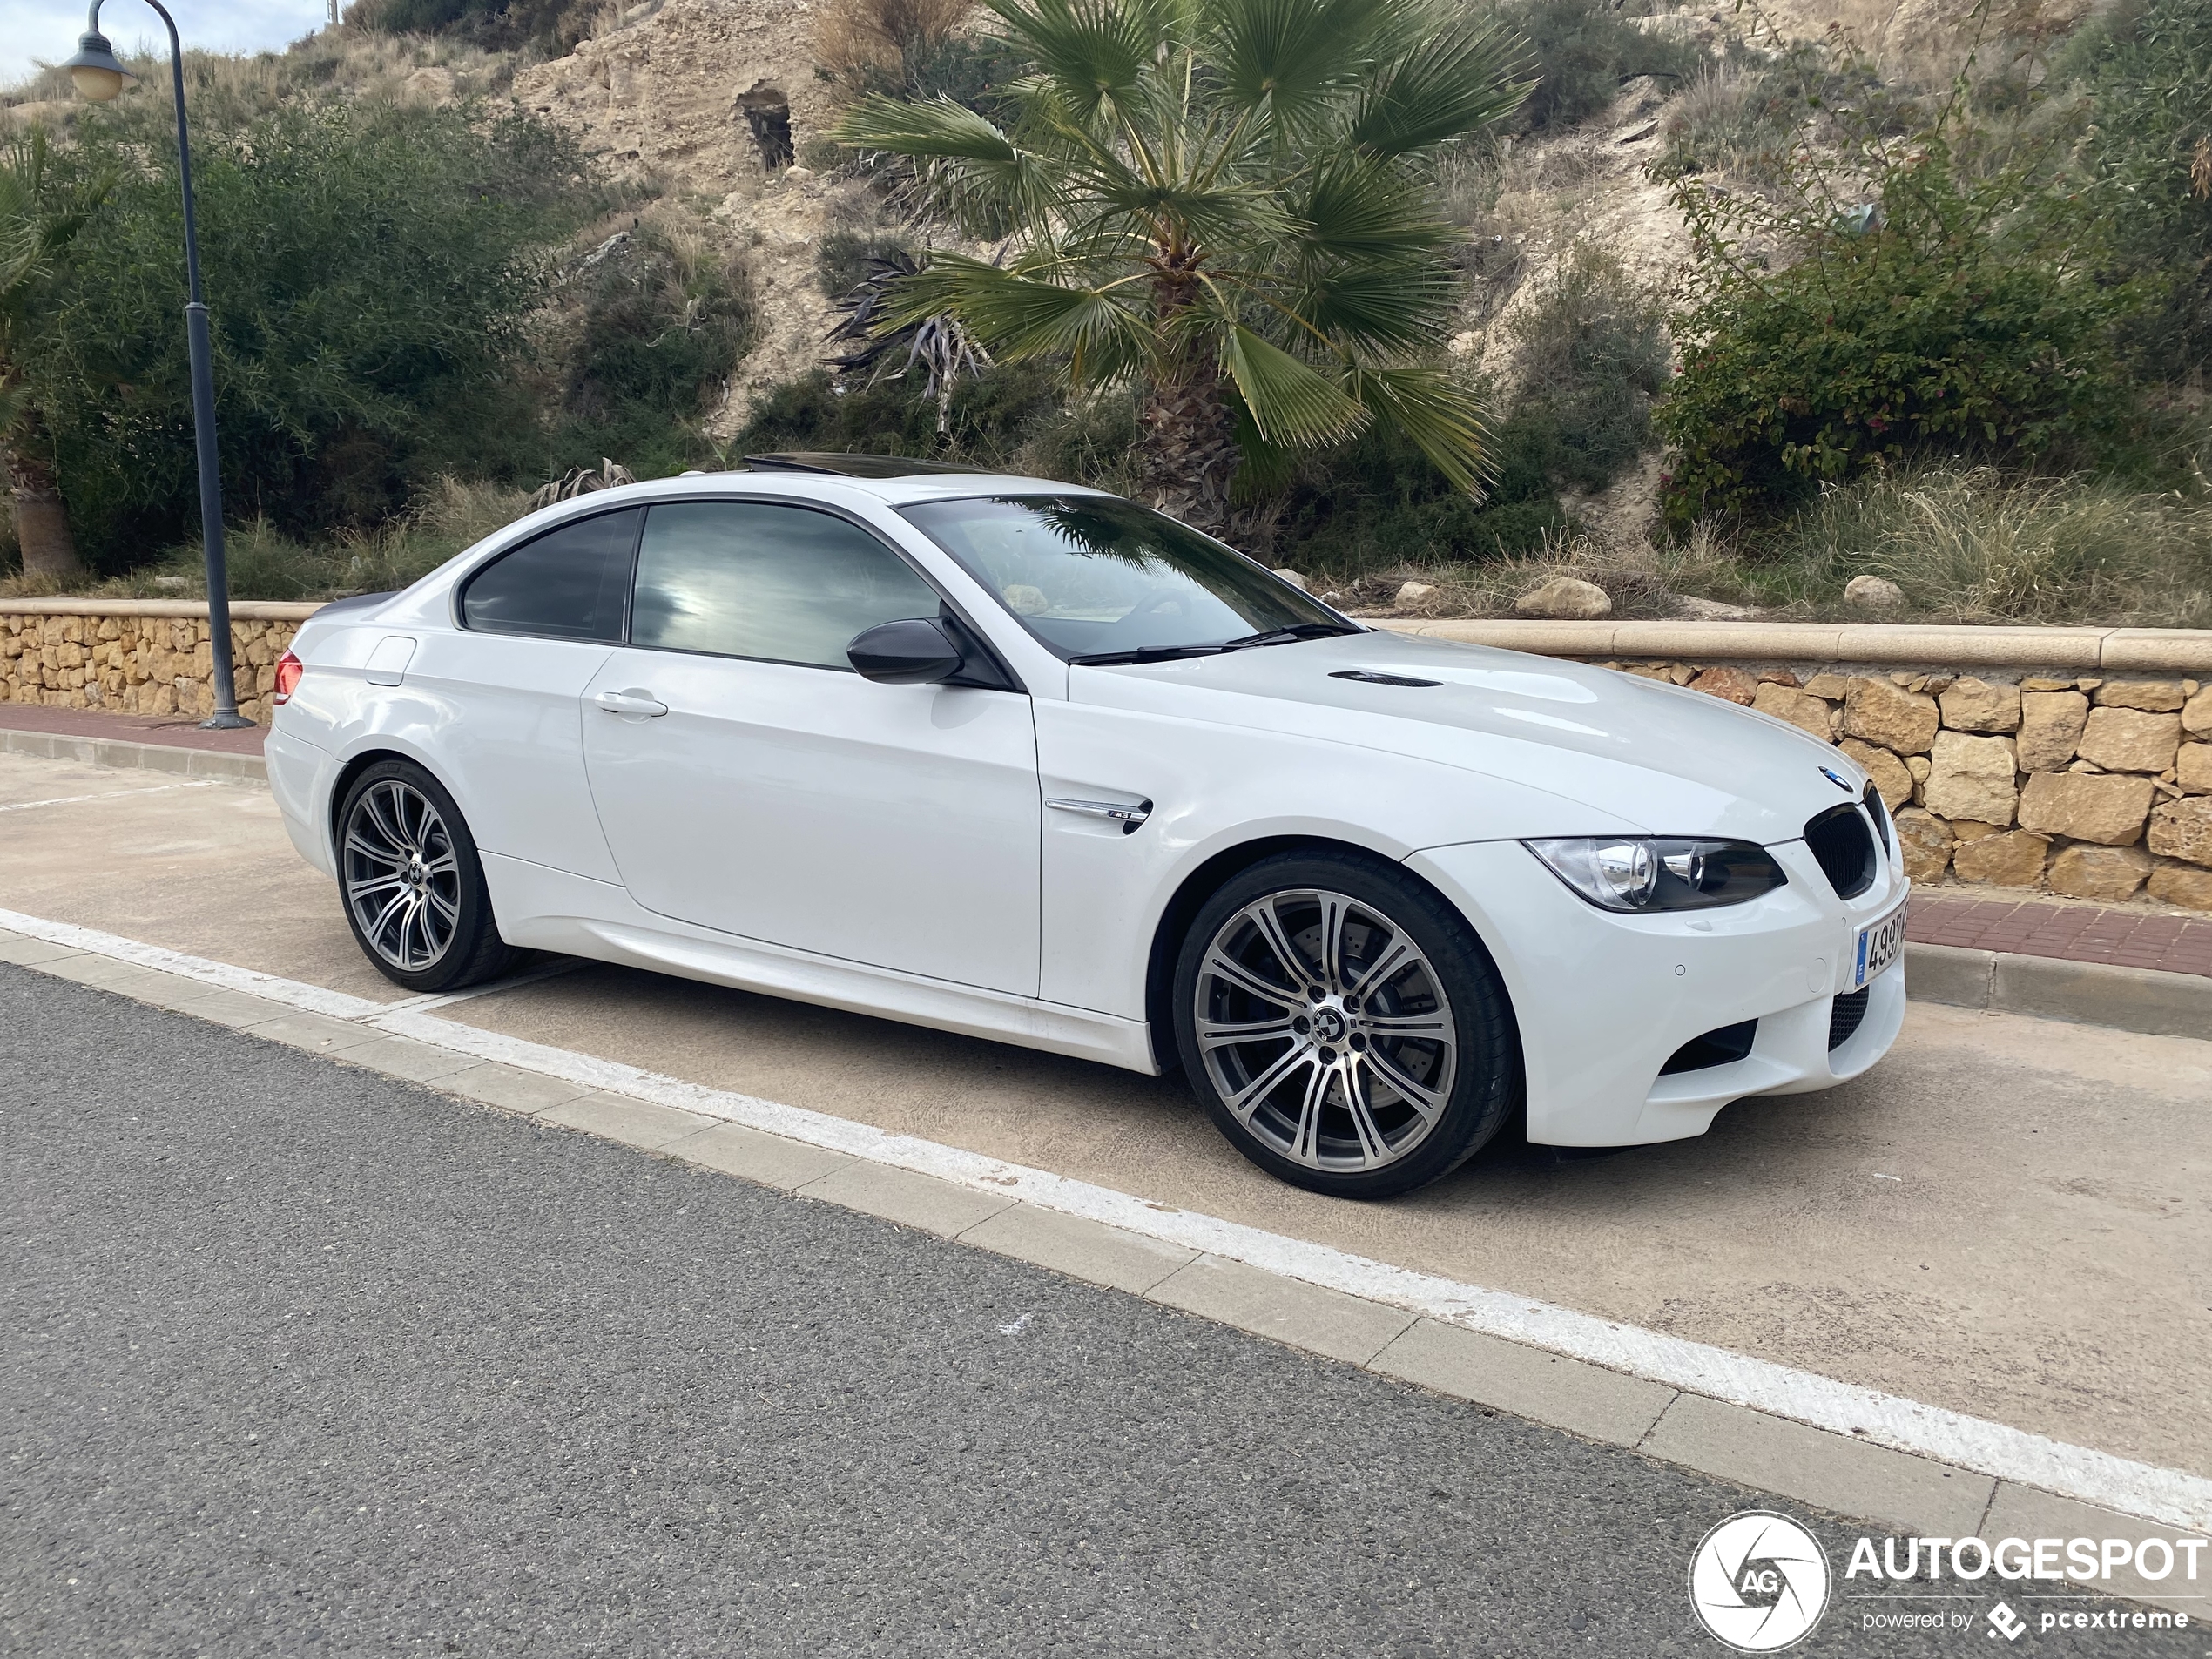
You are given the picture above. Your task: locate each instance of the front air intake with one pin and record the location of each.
(1844, 1016)
(1722, 1046)
(1844, 847)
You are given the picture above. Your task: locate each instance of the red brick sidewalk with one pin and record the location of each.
(171, 730)
(2072, 933)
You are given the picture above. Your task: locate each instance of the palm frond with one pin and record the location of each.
(1287, 61)
(1016, 317)
(1442, 418)
(1094, 51)
(1459, 79)
(1360, 206)
(1390, 310)
(1291, 403)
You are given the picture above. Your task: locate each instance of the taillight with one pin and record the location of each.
(288, 671)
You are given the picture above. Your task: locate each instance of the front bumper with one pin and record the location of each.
(1604, 999)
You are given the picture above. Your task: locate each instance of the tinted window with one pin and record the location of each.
(748, 579)
(568, 583)
(1095, 575)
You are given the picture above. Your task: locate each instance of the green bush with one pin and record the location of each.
(1592, 355)
(369, 273)
(992, 417)
(1377, 502)
(1583, 50)
(1956, 310)
(661, 329)
(2147, 66)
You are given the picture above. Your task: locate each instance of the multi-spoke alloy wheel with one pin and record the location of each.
(403, 881)
(1326, 1030)
(413, 887)
(1345, 1032)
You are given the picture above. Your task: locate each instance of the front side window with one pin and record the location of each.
(567, 584)
(1098, 578)
(756, 579)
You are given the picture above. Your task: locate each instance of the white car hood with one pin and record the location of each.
(1667, 761)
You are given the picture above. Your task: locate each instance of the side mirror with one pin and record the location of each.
(916, 652)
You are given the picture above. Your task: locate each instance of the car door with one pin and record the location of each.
(750, 782)
(535, 623)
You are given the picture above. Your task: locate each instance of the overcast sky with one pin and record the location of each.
(47, 30)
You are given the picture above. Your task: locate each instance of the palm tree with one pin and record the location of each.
(1228, 202)
(39, 215)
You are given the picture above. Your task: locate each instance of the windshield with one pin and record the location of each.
(1097, 578)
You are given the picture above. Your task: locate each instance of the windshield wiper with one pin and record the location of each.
(1148, 654)
(1243, 642)
(1288, 636)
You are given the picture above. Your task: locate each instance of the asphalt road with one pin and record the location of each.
(301, 1360)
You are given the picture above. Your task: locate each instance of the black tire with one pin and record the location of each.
(424, 922)
(1359, 1040)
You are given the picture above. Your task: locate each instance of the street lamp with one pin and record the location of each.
(100, 76)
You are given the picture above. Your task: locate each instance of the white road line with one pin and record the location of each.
(430, 1000)
(2173, 1496)
(112, 795)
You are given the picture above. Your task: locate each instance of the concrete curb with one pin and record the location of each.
(1848, 1475)
(2146, 1000)
(214, 764)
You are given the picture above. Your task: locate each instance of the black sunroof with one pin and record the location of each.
(855, 466)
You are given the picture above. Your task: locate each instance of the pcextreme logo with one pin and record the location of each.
(1759, 1581)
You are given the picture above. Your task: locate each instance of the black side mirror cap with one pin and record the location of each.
(915, 652)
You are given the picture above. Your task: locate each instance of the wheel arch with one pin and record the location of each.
(351, 768)
(1202, 883)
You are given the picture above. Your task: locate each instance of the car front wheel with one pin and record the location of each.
(413, 887)
(1343, 1026)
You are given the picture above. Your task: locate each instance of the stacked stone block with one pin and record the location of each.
(2092, 788)
(135, 665)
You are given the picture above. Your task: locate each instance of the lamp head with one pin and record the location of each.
(100, 75)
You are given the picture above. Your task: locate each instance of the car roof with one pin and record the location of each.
(932, 481)
(851, 464)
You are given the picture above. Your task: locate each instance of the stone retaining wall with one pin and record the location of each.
(2089, 787)
(139, 656)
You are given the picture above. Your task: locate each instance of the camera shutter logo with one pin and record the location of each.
(1759, 1581)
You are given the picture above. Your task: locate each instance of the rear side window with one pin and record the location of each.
(753, 579)
(567, 584)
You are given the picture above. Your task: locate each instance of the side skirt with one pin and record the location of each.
(544, 909)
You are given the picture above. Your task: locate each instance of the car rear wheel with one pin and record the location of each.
(1344, 1027)
(413, 887)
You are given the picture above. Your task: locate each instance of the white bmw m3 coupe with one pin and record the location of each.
(1027, 761)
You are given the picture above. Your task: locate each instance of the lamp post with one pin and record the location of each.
(100, 77)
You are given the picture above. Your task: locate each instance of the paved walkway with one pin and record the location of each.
(173, 731)
(2071, 933)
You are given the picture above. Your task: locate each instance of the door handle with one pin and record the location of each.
(634, 701)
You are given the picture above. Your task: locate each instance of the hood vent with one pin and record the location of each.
(1368, 676)
(1844, 847)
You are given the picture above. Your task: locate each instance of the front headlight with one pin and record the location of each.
(1637, 873)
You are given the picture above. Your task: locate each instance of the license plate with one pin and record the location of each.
(1879, 945)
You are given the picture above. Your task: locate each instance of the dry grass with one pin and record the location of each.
(1965, 544)
(862, 42)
